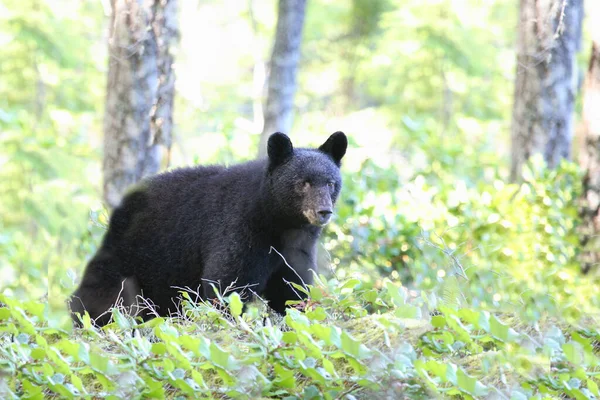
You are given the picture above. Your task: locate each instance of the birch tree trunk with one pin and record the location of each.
(590, 153)
(139, 95)
(546, 81)
(279, 107)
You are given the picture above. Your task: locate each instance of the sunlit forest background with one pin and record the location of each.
(424, 89)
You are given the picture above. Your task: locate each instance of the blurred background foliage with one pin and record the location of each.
(423, 89)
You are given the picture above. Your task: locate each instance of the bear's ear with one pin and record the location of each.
(335, 146)
(279, 148)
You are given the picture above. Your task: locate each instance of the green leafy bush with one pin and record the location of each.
(490, 244)
(331, 350)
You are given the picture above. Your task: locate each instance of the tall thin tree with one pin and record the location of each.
(140, 90)
(548, 40)
(590, 151)
(279, 106)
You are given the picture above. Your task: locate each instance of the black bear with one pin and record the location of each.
(213, 224)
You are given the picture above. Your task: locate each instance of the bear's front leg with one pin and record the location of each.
(244, 274)
(294, 266)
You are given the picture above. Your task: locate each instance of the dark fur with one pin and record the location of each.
(193, 225)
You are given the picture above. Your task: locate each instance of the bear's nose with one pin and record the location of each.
(324, 215)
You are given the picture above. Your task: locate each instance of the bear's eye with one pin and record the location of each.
(306, 184)
(331, 185)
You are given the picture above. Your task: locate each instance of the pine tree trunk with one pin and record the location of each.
(545, 87)
(279, 107)
(140, 90)
(590, 158)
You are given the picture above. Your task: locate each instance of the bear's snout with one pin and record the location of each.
(324, 216)
(318, 218)
(318, 205)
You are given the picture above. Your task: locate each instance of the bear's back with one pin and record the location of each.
(169, 218)
(204, 190)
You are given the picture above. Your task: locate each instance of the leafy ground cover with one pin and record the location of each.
(436, 289)
(334, 349)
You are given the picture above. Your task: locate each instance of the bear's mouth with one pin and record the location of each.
(321, 218)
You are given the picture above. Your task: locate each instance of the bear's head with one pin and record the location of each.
(304, 183)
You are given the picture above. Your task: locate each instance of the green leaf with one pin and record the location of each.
(159, 348)
(154, 389)
(436, 368)
(350, 345)
(290, 337)
(296, 320)
(235, 304)
(593, 387)
(38, 353)
(300, 288)
(461, 331)
(106, 382)
(62, 365)
(69, 347)
(83, 354)
(358, 367)
(87, 321)
(153, 323)
(41, 341)
(370, 296)
(123, 322)
(311, 392)
(184, 386)
(408, 311)
(465, 382)
(470, 316)
(35, 308)
(4, 313)
(33, 391)
(197, 377)
(47, 369)
(328, 365)
(396, 293)
(77, 382)
(350, 284)
(60, 389)
(168, 365)
(573, 352)
(190, 343)
(498, 329)
(586, 342)
(312, 346)
(438, 321)
(227, 377)
(321, 332)
(23, 322)
(219, 356)
(284, 377)
(100, 362)
(299, 354)
(316, 293)
(318, 314)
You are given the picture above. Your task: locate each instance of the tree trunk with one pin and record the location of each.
(139, 99)
(278, 110)
(590, 154)
(545, 87)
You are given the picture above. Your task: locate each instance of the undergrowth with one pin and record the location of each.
(429, 288)
(333, 349)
